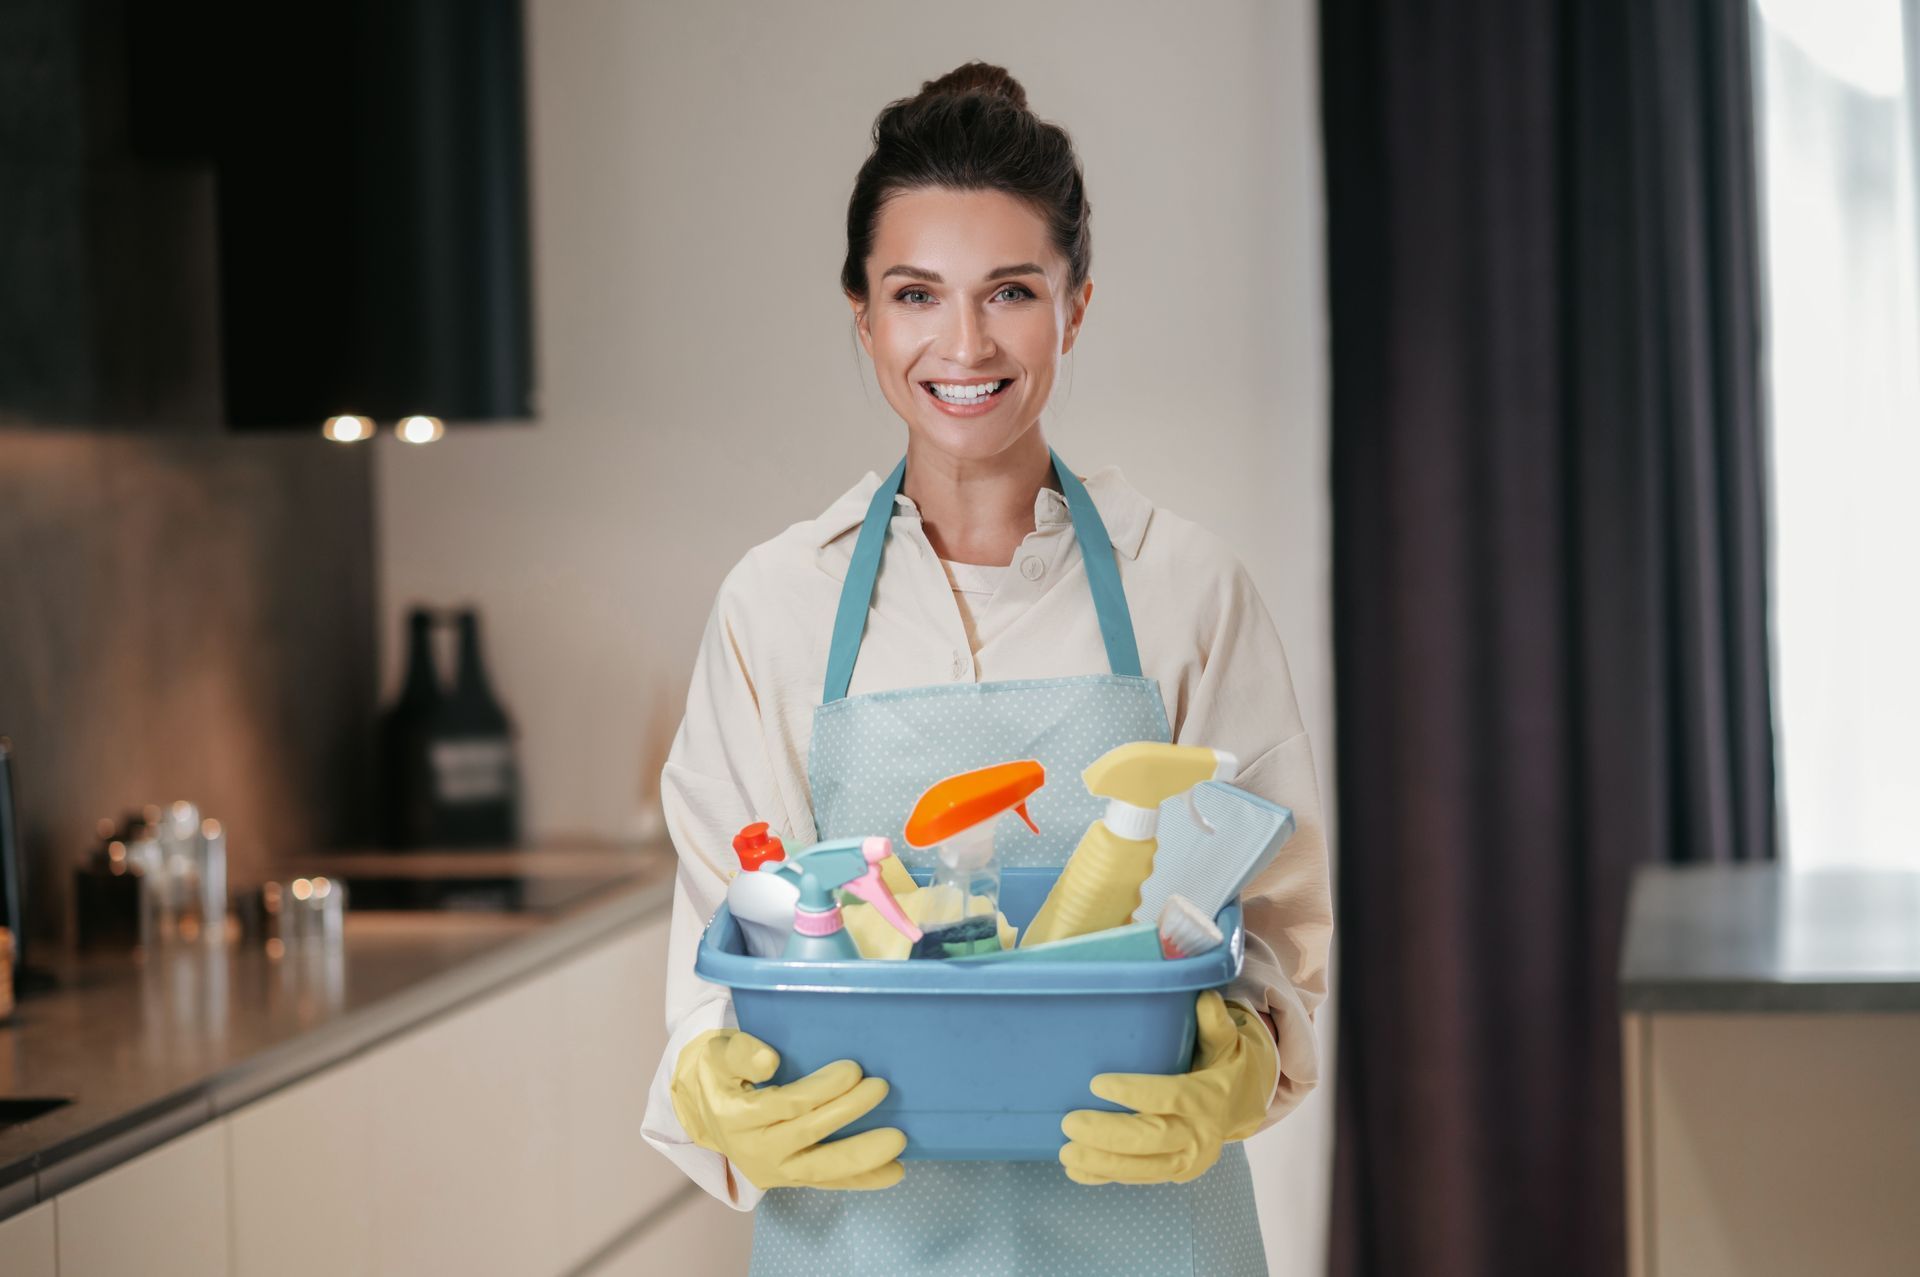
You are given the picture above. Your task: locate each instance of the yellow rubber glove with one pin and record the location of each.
(1179, 1121)
(772, 1134)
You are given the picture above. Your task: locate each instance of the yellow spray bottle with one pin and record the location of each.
(1100, 887)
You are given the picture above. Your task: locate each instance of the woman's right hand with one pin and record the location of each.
(773, 1134)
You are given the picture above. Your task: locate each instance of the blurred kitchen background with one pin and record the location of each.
(1553, 364)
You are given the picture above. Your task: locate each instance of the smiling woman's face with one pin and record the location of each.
(966, 292)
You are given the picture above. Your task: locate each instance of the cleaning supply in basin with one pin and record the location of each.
(1135, 942)
(1100, 887)
(1210, 851)
(756, 847)
(1184, 931)
(955, 816)
(819, 933)
(876, 938)
(763, 900)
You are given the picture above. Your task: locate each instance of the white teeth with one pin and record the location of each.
(965, 394)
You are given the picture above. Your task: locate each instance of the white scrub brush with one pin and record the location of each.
(1185, 931)
(1213, 841)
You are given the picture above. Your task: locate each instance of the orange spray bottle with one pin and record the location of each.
(960, 915)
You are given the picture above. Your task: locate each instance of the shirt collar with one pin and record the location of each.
(1122, 508)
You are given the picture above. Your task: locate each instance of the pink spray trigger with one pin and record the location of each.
(872, 888)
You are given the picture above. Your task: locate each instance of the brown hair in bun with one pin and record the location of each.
(970, 130)
(978, 77)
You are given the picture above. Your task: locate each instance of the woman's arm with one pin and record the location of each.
(717, 778)
(1243, 701)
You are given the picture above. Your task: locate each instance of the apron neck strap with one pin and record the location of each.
(1096, 551)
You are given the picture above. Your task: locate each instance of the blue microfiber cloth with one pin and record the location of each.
(1212, 868)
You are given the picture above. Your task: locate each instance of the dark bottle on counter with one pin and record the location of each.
(406, 771)
(476, 777)
(448, 769)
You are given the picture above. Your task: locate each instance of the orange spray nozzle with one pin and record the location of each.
(958, 803)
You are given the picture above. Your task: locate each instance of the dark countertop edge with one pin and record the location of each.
(41, 1176)
(1709, 995)
(1731, 969)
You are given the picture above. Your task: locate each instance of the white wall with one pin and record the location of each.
(701, 387)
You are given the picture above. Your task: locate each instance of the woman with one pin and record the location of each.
(981, 562)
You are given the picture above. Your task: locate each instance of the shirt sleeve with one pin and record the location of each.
(717, 778)
(1243, 701)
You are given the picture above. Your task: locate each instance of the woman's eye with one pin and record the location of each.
(909, 295)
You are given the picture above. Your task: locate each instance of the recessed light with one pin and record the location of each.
(419, 429)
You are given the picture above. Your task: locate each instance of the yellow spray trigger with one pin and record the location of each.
(1147, 773)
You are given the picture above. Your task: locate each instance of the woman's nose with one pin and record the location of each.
(967, 338)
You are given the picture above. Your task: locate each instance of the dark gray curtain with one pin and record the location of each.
(1549, 579)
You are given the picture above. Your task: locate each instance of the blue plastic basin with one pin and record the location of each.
(982, 1060)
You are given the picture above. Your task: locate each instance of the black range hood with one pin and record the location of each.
(372, 232)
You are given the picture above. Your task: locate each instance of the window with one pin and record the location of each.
(1835, 109)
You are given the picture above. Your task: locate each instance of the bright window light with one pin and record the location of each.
(1835, 153)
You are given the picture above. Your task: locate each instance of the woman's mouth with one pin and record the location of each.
(957, 399)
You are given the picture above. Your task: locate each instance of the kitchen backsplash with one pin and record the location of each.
(185, 617)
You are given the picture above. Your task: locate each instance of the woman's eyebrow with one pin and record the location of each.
(931, 277)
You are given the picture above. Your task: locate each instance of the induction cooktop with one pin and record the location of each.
(510, 881)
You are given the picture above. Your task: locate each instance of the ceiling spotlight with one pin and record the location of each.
(347, 429)
(419, 429)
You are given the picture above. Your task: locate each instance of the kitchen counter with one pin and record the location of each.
(148, 1050)
(1769, 1036)
(1763, 938)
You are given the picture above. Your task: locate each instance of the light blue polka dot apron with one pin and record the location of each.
(871, 757)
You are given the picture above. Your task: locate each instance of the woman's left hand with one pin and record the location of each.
(1179, 1121)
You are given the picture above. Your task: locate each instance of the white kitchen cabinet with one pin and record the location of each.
(502, 1137)
(26, 1243)
(302, 1162)
(163, 1214)
(1773, 1145)
(613, 1032)
(466, 1122)
(697, 1237)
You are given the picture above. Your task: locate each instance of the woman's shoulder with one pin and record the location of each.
(790, 559)
(769, 569)
(1158, 537)
(1188, 582)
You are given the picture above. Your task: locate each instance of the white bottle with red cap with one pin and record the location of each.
(763, 894)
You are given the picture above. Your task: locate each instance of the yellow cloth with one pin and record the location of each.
(895, 875)
(1180, 1121)
(875, 937)
(773, 1134)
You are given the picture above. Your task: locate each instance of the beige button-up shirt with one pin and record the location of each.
(741, 752)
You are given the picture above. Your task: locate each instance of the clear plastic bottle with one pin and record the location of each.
(961, 915)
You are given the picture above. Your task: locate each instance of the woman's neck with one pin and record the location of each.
(979, 511)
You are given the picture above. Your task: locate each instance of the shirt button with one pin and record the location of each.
(962, 665)
(1032, 567)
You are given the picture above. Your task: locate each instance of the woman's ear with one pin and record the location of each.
(1079, 313)
(860, 322)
